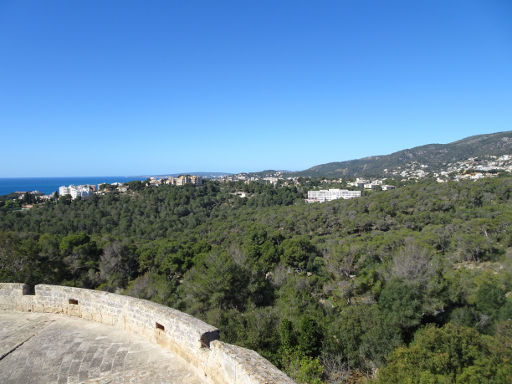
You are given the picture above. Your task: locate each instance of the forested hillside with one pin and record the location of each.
(433, 156)
(411, 285)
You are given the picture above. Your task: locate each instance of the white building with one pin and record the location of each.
(63, 190)
(82, 191)
(331, 194)
(361, 182)
(184, 179)
(271, 180)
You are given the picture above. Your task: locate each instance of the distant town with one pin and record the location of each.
(469, 169)
(472, 168)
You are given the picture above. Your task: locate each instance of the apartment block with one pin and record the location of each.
(82, 191)
(331, 194)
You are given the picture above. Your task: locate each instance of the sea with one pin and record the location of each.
(49, 185)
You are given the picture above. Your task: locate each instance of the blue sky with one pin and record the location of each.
(153, 87)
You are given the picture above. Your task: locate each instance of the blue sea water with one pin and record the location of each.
(48, 185)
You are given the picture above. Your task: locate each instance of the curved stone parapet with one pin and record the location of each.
(186, 336)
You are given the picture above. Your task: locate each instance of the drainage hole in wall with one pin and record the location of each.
(29, 289)
(160, 326)
(73, 301)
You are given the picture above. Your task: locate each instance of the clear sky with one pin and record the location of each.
(153, 87)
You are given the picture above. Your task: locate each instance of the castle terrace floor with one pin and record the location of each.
(49, 348)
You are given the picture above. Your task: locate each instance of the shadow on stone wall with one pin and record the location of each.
(188, 337)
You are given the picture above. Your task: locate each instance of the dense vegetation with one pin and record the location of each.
(403, 286)
(435, 156)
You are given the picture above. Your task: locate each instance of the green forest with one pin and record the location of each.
(405, 286)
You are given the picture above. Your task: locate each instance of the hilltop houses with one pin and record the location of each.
(86, 191)
(366, 184)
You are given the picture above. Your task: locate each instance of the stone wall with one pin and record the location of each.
(188, 337)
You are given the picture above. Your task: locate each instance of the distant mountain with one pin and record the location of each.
(432, 157)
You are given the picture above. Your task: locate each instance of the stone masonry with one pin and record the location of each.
(50, 348)
(188, 338)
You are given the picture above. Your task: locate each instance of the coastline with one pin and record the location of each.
(49, 185)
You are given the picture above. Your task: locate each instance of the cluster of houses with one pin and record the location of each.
(37, 194)
(472, 168)
(277, 176)
(86, 191)
(367, 184)
(273, 178)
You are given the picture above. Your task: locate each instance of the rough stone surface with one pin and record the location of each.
(49, 348)
(185, 336)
